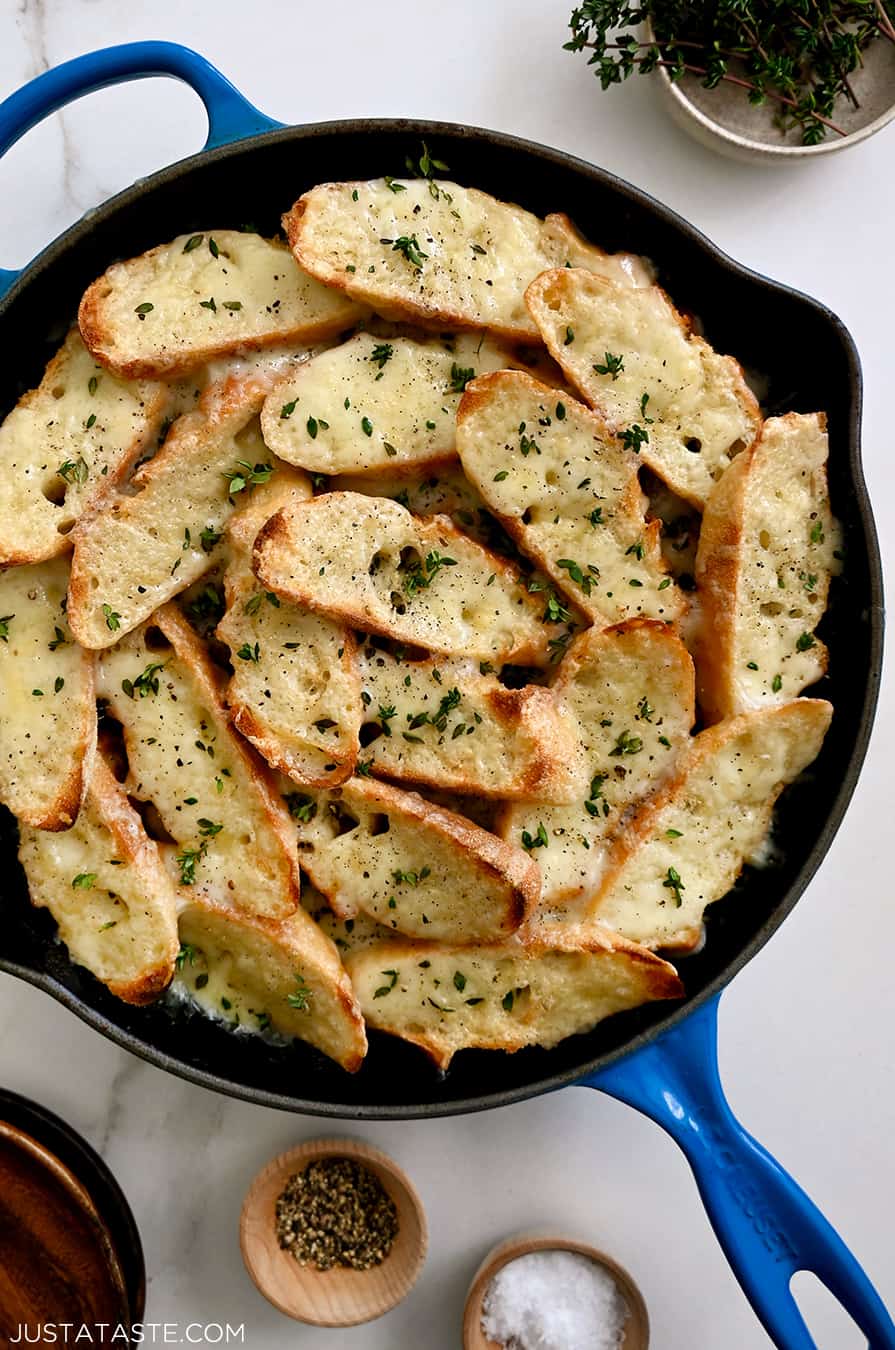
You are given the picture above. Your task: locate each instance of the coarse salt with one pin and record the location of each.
(554, 1300)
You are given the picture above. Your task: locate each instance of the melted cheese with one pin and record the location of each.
(466, 258)
(46, 686)
(177, 306)
(64, 444)
(370, 562)
(568, 492)
(373, 405)
(633, 358)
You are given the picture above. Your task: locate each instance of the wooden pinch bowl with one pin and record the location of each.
(636, 1330)
(340, 1297)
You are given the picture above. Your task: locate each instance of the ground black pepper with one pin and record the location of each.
(336, 1212)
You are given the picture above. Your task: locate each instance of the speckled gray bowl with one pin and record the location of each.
(723, 119)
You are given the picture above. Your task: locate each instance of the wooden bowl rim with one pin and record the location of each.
(79, 1195)
(394, 1178)
(522, 1244)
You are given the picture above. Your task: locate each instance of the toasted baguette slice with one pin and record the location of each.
(440, 255)
(234, 843)
(176, 306)
(48, 722)
(689, 408)
(64, 445)
(567, 491)
(413, 866)
(628, 693)
(295, 690)
(686, 847)
(140, 550)
(108, 890)
(369, 405)
(446, 999)
(260, 974)
(768, 548)
(444, 722)
(370, 563)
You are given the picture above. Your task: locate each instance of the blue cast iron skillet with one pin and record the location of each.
(660, 1059)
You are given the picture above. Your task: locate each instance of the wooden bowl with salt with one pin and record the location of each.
(340, 1296)
(635, 1334)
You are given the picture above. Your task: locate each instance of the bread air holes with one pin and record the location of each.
(152, 821)
(771, 609)
(693, 444)
(341, 819)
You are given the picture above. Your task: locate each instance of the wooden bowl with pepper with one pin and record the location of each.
(333, 1233)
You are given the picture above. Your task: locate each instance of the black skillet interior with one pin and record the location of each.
(809, 362)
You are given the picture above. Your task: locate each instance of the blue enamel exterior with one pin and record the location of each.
(230, 116)
(767, 1226)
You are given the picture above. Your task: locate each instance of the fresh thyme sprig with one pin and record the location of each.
(800, 56)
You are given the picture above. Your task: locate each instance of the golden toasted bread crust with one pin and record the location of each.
(691, 408)
(340, 554)
(114, 330)
(415, 866)
(446, 998)
(118, 917)
(685, 847)
(768, 548)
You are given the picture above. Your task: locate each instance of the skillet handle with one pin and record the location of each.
(230, 116)
(767, 1226)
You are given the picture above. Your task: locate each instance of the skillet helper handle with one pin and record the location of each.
(767, 1226)
(230, 116)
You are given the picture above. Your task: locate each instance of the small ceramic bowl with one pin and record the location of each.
(723, 119)
(339, 1297)
(636, 1332)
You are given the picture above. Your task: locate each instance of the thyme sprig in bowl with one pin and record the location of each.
(753, 77)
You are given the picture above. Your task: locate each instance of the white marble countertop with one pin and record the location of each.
(807, 1046)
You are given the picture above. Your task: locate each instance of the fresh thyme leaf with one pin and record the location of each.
(611, 365)
(60, 640)
(144, 309)
(392, 977)
(74, 471)
(805, 642)
(383, 351)
(209, 538)
(798, 57)
(249, 653)
(460, 377)
(193, 242)
(633, 437)
(626, 744)
(187, 860)
(420, 575)
(146, 683)
(84, 881)
(301, 806)
(532, 841)
(5, 621)
(112, 618)
(287, 410)
(673, 883)
(246, 475)
(408, 245)
(187, 954)
(301, 998)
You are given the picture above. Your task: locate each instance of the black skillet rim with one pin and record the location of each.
(431, 130)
